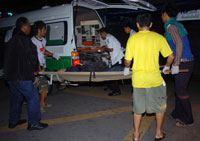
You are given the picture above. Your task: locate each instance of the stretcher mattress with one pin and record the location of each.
(87, 76)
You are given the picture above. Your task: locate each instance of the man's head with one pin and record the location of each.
(127, 28)
(39, 29)
(169, 10)
(23, 24)
(103, 32)
(144, 21)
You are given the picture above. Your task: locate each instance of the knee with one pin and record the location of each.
(184, 97)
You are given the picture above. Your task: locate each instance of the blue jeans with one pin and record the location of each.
(20, 90)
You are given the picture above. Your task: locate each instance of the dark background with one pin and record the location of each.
(29, 5)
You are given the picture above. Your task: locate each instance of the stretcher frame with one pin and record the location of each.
(86, 76)
(91, 76)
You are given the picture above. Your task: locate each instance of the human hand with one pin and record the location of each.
(35, 73)
(175, 70)
(62, 70)
(40, 73)
(108, 57)
(56, 56)
(166, 69)
(126, 71)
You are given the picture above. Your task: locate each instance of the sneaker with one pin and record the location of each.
(106, 89)
(38, 126)
(22, 121)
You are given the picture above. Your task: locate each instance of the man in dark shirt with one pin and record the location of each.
(20, 64)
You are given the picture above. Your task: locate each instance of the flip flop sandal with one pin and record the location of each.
(182, 124)
(161, 138)
(47, 105)
(136, 139)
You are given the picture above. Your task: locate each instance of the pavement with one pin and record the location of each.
(86, 113)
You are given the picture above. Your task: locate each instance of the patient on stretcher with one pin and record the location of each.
(92, 66)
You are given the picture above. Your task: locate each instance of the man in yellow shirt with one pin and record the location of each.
(149, 87)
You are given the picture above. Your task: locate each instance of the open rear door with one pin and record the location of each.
(124, 4)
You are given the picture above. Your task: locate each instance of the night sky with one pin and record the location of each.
(29, 5)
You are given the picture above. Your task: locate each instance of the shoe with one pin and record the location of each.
(161, 138)
(47, 105)
(22, 121)
(182, 124)
(106, 89)
(38, 126)
(114, 94)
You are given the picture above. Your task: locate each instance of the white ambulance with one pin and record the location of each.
(70, 27)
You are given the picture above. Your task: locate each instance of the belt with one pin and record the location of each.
(186, 60)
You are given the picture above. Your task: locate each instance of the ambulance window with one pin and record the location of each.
(56, 33)
(2, 46)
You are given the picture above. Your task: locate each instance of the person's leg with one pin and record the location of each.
(42, 99)
(33, 102)
(159, 124)
(157, 103)
(183, 109)
(16, 100)
(139, 106)
(114, 87)
(43, 90)
(42, 102)
(137, 120)
(177, 112)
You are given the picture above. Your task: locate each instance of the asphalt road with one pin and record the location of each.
(86, 113)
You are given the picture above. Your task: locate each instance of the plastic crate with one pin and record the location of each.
(54, 65)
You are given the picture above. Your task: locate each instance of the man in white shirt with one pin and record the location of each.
(129, 30)
(41, 83)
(113, 46)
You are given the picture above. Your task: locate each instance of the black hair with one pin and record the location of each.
(21, 22)
(104, 29)
(170, 9)
(128, 25)
(38, 25)
(144, 19)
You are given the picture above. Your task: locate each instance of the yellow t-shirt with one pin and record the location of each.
(144, 47)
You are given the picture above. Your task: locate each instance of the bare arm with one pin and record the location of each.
(48, 53)
(169, 60)
(127, 63)
(108, 49)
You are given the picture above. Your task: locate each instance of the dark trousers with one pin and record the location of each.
(114, 86)
(183, 109)
(19, 90)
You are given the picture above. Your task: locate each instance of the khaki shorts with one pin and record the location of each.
(149, 100)
(41, 84)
